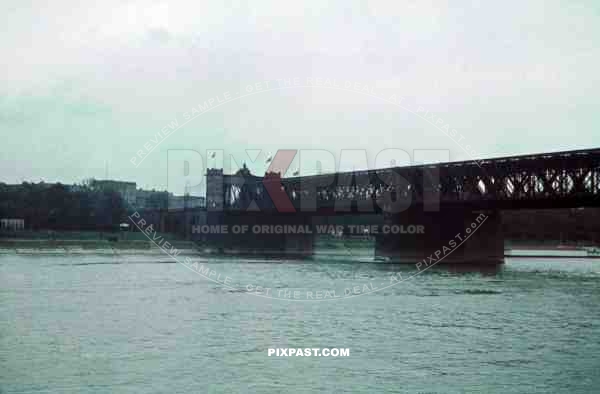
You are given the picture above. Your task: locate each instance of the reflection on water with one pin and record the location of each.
(140, 323)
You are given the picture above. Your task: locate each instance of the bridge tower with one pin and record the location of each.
(214, 206)
(214, 189)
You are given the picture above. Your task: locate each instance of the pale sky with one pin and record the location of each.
(86, 84)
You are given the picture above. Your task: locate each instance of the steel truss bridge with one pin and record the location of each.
(544, 180)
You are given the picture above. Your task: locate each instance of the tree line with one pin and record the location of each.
(56, 206)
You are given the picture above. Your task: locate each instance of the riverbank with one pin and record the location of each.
(357, 249)
(86, 242)
(28, 247)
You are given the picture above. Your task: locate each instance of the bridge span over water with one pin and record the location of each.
(456, 203)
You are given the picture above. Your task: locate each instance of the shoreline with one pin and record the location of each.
(82, 246)
(84, 243)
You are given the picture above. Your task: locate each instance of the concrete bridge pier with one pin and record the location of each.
(450, 236)
(260, 234)
(212, 237)
(300, 245)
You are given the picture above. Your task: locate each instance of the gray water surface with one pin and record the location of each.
(97, 323)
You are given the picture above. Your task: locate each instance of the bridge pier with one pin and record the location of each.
(449, 236)
(261, 234)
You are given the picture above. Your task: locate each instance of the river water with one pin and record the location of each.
(135, 323)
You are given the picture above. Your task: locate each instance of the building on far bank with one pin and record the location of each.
(143, 199)
(181, 202)
(147, 199)
(127, 190)
(12, 224)
(151, 199)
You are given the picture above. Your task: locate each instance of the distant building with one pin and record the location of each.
(150, 199)
(127, 190)
(145, 199)
(12, 224)
(180, 202)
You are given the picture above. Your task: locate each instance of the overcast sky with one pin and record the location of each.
(86, 84)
